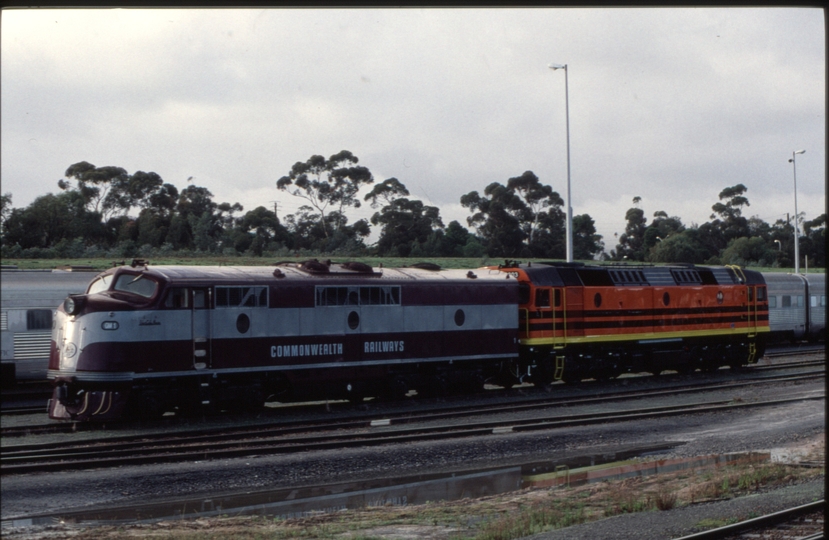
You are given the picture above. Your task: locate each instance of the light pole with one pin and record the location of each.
(569, 226)
(796, 230)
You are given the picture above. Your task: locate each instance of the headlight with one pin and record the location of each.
(70, 350)
(72, 306)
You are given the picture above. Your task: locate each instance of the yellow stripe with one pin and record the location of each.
(638, 337)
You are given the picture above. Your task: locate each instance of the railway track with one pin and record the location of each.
(26, 398)
(302, 437)
(536, 401)
(804, 522)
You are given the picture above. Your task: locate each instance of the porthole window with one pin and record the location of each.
(597, 300)
(460, 317)
(242, 323)
(666, 299)
(353, 320)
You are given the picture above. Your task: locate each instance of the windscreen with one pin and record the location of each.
(140, 285)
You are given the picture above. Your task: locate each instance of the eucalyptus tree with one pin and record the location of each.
(631, 244)
(498, 217)
(523, 218)
(405, 223)
(727, 217)
(99, 187)
(587, 244)
(51, 218)
(327, 184)
(257, 230)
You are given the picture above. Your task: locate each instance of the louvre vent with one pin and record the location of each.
(32, 345)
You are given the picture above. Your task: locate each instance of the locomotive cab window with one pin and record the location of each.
(140, 285)
(100, 284)
(542, 298)
(523, 293)
(761, 294)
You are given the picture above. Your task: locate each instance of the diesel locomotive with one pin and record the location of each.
(147, 339)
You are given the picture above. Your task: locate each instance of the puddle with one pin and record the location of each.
(298, 502)
(567, 476)
(291, 503)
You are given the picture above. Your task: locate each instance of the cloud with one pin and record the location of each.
(671, 104)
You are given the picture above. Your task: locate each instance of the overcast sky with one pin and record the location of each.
(669, 104)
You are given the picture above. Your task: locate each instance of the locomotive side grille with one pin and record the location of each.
(31, 345)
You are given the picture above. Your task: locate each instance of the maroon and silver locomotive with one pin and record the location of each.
(149, 339)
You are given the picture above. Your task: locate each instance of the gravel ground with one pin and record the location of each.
(685, 520)
(753, 429)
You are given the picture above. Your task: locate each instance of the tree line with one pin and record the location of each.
(108, 212)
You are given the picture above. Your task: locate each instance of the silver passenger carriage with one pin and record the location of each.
(29, 300)
(817, 306)
(797, 305)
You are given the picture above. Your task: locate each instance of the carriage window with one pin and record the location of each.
(241, 297)
(542, 298)
(39, 319)
(353, 296)
(823, 301)
(136, 284)
(813, 301)
(799, 300)
(772, 301)
(787, 301)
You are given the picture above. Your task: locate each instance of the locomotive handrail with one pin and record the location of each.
(738, 272)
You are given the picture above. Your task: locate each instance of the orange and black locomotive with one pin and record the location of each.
(577, 321)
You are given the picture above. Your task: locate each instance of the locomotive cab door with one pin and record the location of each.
(545, 312)
(200, 315)
(753, 300)
(549, 302)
